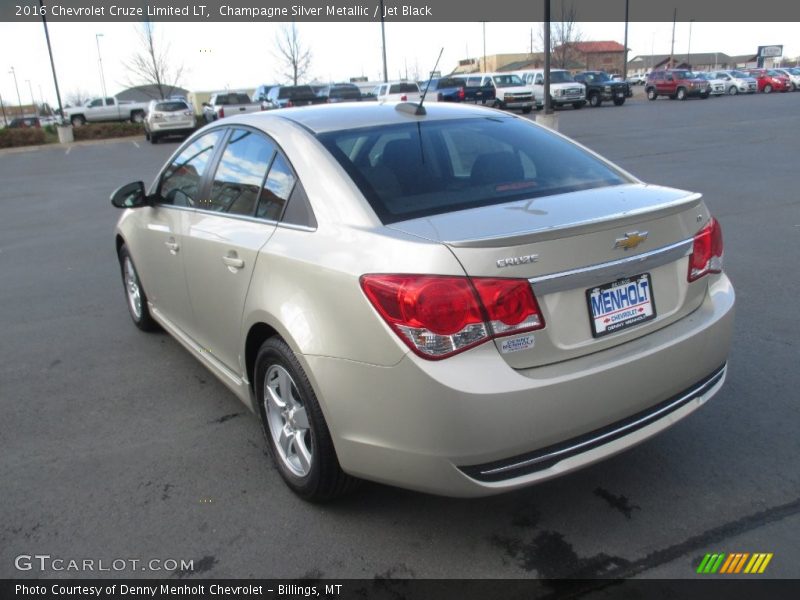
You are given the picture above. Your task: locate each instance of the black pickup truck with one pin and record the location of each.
(600, 87)
(477, 89)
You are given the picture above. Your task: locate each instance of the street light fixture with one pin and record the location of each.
(19, 98)
(97, 37)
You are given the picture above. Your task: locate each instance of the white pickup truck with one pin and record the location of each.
(97, 110)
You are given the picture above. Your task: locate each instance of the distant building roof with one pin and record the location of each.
(597, 47)
(145, 93)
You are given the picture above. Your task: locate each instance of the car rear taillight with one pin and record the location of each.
(706, 254)
(221, 112)
(460, 94)
(439, 316)
(404, 98)
(440, 96)
(289, 104)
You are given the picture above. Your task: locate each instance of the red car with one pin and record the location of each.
(770, 81)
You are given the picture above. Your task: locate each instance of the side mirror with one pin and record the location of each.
(131, 195)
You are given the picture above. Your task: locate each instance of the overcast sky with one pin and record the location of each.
(242, 56)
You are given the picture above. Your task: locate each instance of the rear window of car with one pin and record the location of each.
(449, 82)
(344, 91)
(172, 106)
(403, 88)
(230, 99)
(298, 92)
(417, 170)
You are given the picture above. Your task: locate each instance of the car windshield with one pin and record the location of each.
(560, 77)
(598, 77)
(421, 169)
(774, 73)
(684, 75)
(739, 74)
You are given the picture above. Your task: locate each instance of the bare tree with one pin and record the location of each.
(77, 97)
(564, 35)
(295, 56)
(150, 66)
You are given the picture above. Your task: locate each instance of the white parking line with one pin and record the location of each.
(68, 151)
(134, 143)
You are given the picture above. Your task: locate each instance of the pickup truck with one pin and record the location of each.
(478, 88)
(600, 87)
(226, 104)
(98, 110)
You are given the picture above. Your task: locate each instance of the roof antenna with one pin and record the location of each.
(421, 109)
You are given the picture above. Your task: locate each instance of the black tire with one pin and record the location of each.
(705, 95)
(651, 93)
(146, 135)
(619, 101)
(768, 89)
(141, 318)
(577, 105)
(680, 94)
(78, 121)
(733, 90)
(154, 139)
(527, 111)
(324, 480)
(595, 100)
(137, 116)
(498, 104)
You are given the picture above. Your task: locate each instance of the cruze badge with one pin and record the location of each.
(517, 260)
(631, 240)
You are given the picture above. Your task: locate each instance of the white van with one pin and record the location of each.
(511, 93)
(563, 88)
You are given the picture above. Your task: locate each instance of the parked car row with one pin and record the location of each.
(683, 83)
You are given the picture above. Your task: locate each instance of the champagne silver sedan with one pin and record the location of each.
(450, 299)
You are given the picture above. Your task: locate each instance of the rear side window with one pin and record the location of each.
(240, 174)
(181, 181)
(277, 189)
(416, 170)
(344, 92)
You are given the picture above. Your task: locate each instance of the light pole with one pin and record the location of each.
(484, 47)
(689, 49)
(3, 108)
(19, 98)
(383, 40)
(97, 37)
(33, 101)
(625, 58)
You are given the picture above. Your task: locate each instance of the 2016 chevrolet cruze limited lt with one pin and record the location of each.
(458, 301)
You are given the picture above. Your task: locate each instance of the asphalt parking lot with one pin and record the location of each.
(118, 444)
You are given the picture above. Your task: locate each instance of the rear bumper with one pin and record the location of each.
(435, 426)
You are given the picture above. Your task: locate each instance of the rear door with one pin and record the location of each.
(245, 198)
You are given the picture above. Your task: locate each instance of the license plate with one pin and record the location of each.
(621, 304)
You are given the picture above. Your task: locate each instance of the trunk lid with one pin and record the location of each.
(570, 247)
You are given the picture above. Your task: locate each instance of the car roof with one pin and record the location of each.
(336, 117)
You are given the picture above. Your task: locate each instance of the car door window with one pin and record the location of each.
(110, 102)
(240, 173)
(182, 179)
(298, 211)
(95, 103)
(539, 79)
(277, 189)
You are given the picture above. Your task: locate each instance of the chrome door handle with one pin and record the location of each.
(232, 262)
(173, 246)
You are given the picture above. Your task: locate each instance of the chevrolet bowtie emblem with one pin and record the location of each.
(631, 240)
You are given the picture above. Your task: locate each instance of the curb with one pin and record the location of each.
(56, 145)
